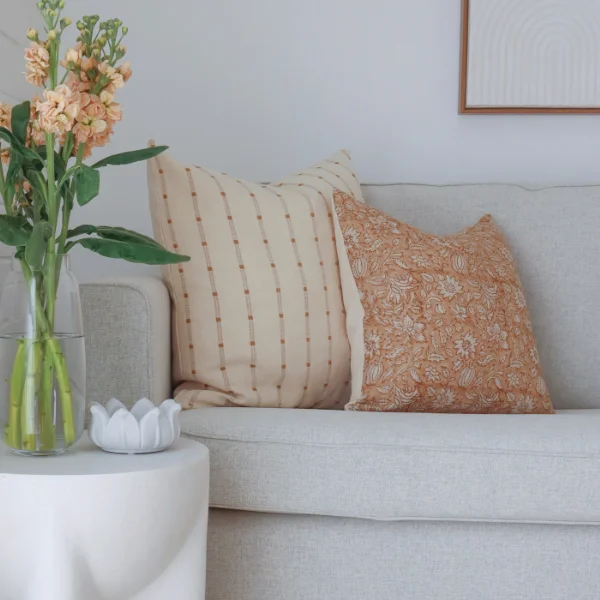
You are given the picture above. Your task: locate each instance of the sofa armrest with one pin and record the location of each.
(128, 339)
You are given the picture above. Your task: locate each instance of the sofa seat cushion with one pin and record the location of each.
(399, 466)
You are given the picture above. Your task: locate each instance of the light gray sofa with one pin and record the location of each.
(328, 505)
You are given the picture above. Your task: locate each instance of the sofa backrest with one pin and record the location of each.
(554, 234)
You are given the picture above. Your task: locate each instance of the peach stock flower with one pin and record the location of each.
(35, 133)
(125, 70)
(73, 57)
(78, 83)
(91, 120)
(115, 80)
(38, 64)
(5, 112)
(113, 109)
(59, 111)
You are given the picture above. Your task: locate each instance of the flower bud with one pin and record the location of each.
(32, 34)
(40, 5)
(52, 34)
(64, 23)
(125, 30)
(52, 13)
(118, 22)
(61, 4)
(102, 40)
(123, 49)
(80, 25)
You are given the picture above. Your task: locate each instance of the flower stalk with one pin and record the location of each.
(44, 145)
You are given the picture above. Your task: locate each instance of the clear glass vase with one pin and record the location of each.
(42, 359)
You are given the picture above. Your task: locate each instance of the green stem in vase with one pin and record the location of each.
(17, 383)
(64, 387)
(45, 402)
(28, 420)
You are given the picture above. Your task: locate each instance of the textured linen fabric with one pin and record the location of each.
(294, 557)
(127, 340)
(258, 313)
(394, 466)
(445, 326)
(553, 236)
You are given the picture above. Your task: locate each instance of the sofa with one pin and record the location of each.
(334, 505)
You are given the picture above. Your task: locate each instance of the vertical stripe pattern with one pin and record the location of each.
(211, 278)
(302, 274)
(326, 287)
(180, 270)
(276, 281)
(244, 278)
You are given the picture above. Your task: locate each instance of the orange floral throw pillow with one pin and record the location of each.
(436, 324)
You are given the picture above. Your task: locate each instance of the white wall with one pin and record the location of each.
(17, 17)
(263, 87)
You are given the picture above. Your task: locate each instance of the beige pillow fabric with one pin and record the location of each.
(258, 314)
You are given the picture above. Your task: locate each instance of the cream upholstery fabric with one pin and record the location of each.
(398, 466)
(253, 556)
(258, 312)
(127, 327)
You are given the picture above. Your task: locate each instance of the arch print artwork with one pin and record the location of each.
(530, 56)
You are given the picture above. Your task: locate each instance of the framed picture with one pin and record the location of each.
(530, 56)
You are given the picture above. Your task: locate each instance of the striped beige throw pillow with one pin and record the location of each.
(258, 313)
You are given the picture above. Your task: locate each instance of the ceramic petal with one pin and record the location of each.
(142, 407)
(149, 430)
(122, 431)
(113, 405)
(171, 410)
(99, 422)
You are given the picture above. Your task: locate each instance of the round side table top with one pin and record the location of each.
(87, 459)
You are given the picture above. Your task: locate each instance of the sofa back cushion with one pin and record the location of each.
(554, 236)
(258, 314)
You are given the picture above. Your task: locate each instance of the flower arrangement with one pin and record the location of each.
(43, 176)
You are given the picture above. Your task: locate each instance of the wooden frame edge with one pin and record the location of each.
(464, 58)
(464, 109)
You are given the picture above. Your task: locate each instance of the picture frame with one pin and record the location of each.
(535, 43)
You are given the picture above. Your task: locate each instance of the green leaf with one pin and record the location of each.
(119, 234)
(36, 245)
(87, 184)
(127, 158)
(12, 232)
(17, 146)
(15, 166)
(132, 252)
(19, 121)
(7, 135)
(82, 230)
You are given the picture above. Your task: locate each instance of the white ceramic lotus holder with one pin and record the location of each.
(146, 428)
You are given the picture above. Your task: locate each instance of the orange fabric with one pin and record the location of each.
(446, 327)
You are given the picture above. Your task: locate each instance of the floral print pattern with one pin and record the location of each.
(446, 327)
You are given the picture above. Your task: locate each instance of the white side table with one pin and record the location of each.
(94, 526)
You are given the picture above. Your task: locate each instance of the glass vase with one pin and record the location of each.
(42, 359)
